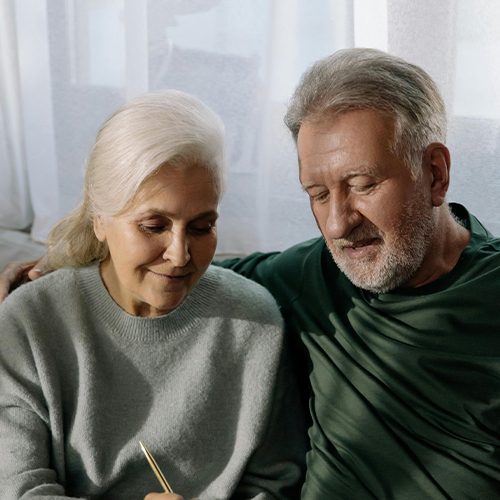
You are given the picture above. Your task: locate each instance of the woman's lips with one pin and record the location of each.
(170, 278)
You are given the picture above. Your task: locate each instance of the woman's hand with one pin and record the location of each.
(17, 273)
(163, 496)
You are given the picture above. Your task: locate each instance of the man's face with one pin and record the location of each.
(377, 220)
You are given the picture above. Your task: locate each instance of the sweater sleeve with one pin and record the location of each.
(25, 437)
(276, 469)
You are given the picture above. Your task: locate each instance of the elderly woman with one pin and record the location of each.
(136, 337)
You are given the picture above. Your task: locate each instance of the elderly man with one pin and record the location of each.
(396, 306)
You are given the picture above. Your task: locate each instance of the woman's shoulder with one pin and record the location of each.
(233, 285)
(230, 291)
(55, 288)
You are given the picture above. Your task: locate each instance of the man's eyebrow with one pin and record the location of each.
(305, 187)
(368, 170)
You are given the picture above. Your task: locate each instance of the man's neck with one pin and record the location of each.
(449, 241)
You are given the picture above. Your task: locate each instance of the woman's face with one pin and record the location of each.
(163, 243)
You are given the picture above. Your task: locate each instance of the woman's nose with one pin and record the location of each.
(177, 249)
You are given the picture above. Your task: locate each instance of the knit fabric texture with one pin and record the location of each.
(206, 388)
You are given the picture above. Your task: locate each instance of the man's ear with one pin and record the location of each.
(438, 162)
(99, 231)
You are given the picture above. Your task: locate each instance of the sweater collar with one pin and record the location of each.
(183, 319)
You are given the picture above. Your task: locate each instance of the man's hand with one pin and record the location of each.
(17, 273)
(163, 496)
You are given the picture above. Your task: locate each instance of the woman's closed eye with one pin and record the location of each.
(153, 228)
(202, 228)
(197, 229)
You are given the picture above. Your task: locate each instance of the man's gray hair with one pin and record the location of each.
(360, 78)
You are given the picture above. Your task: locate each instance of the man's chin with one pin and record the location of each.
(383, 283)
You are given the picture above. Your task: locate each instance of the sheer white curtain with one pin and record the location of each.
(66, 64)
(458, 43)
(15, 203)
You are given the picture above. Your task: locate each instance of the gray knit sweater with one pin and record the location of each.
(205, 387)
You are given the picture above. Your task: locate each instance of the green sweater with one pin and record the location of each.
(205, 387)
(405, 400)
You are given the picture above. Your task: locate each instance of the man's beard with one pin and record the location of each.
(398, 259)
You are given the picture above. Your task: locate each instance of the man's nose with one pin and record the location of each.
(342, 217)
(177, 249)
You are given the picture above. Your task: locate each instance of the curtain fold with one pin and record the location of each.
(78, 61)
(15, 203)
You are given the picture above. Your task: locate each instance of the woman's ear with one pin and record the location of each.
(437, 160)
(99, 228)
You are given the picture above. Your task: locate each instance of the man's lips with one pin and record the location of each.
(365, 248)
(343, 244)
(361, 243)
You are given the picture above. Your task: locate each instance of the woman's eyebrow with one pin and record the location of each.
(150, 212)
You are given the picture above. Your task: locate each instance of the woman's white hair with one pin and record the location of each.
(157, 130)
(362, 78)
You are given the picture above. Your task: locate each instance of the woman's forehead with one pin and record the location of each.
(177, 190)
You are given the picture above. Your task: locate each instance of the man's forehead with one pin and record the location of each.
(354, 130)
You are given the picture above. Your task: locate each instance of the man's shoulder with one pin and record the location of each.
(480, 234)
(483, 250)
(291, 259)
(304, 251)
(300, 262)
(283, 273)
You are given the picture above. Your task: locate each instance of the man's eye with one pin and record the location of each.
(362, 188)
(319, 197)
